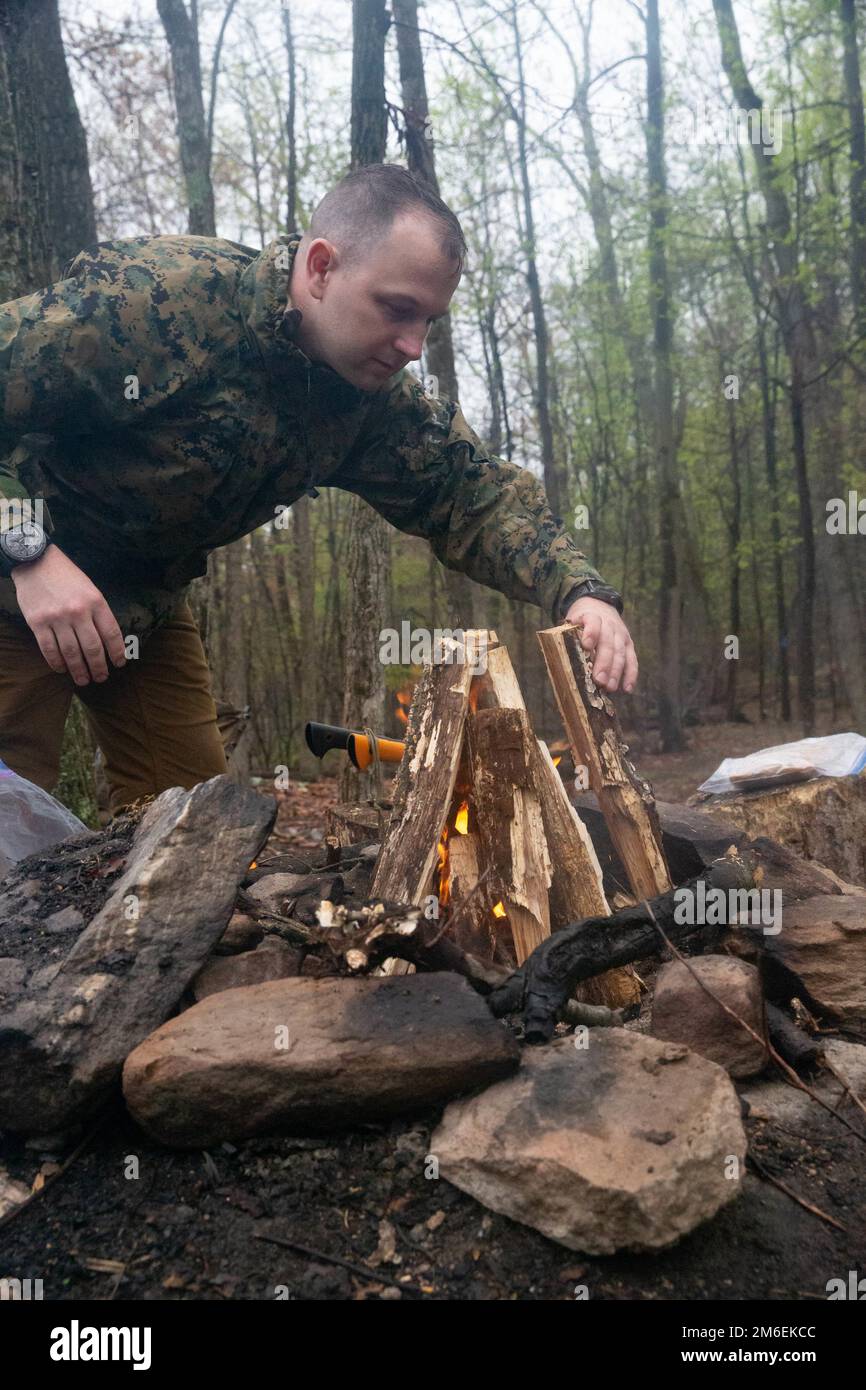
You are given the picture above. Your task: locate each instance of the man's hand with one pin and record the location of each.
(607, 637)
(68, 616)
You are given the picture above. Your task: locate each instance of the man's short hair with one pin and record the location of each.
(362, 207)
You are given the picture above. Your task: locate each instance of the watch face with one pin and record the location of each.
(24, 542)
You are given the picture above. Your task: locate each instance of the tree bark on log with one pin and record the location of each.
(593, 731)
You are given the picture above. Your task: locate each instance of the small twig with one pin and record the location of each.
(375, 1276)
(787, 1070)
(825, 1060)
(783, 1187)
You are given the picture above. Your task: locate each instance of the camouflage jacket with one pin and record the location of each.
(155, 400)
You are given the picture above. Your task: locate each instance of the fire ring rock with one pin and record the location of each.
(297, 1055)
(626, 1144)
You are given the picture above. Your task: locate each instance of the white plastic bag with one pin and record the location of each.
(836, 755)
(30, 819)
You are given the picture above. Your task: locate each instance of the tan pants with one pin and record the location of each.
(154, 718)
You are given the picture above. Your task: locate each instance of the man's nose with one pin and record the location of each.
(411, 343)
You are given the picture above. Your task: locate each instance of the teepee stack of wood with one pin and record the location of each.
(482, 831)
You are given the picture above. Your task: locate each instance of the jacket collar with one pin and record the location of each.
(272, 325)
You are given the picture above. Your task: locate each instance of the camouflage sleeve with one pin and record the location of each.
(121, 333)
(423, 468)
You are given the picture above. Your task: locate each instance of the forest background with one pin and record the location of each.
(663, 315)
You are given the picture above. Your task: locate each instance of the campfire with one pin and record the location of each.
(482, 824)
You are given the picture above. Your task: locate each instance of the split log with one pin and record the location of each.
(424, 785)
(576, 888)
(593, 731)
(511, 827)
(473, 928)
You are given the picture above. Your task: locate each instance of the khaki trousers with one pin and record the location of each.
(154, 718)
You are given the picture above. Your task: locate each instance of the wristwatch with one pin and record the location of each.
(593, 588)
(19, 545)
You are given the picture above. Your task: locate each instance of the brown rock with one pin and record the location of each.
(241, 934)
(683, 1012)
(820, 954)
(272, 960)
(296, 1055)
(626, 1144)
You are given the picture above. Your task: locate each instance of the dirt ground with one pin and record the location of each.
(128, 1219)
(192, 1225)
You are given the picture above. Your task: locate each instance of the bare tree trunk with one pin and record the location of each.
(182, 36)
(553, 483)
(798, 340)
(369, 537)
(292, 163)
(45, 190)
(420, 156)
(670, 713)
(734, 534)
(857, 163)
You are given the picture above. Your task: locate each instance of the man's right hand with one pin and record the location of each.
(68, 616)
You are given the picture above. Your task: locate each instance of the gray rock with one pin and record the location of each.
(299, 1055)
(65, 919)
(849, 1060)
(683, 1012)
(786, 1105)
(12, 975)
(627, 1144)
(272, 891)
(62, 1046)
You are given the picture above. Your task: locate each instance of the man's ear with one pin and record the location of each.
(322, 261)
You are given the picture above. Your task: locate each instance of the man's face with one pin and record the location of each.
(370, 318)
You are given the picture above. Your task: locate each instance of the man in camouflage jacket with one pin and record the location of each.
(171, 394)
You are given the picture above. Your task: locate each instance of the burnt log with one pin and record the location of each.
(584, 949)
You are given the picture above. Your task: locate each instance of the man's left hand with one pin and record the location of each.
(605, 637)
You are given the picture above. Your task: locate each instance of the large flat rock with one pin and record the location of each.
(65, 1032)
(299, 1054)
(627, 1144)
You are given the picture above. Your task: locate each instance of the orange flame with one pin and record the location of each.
(498, 910)
(444, 875)
(557, 760)
(404, 700)
(461, 820)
